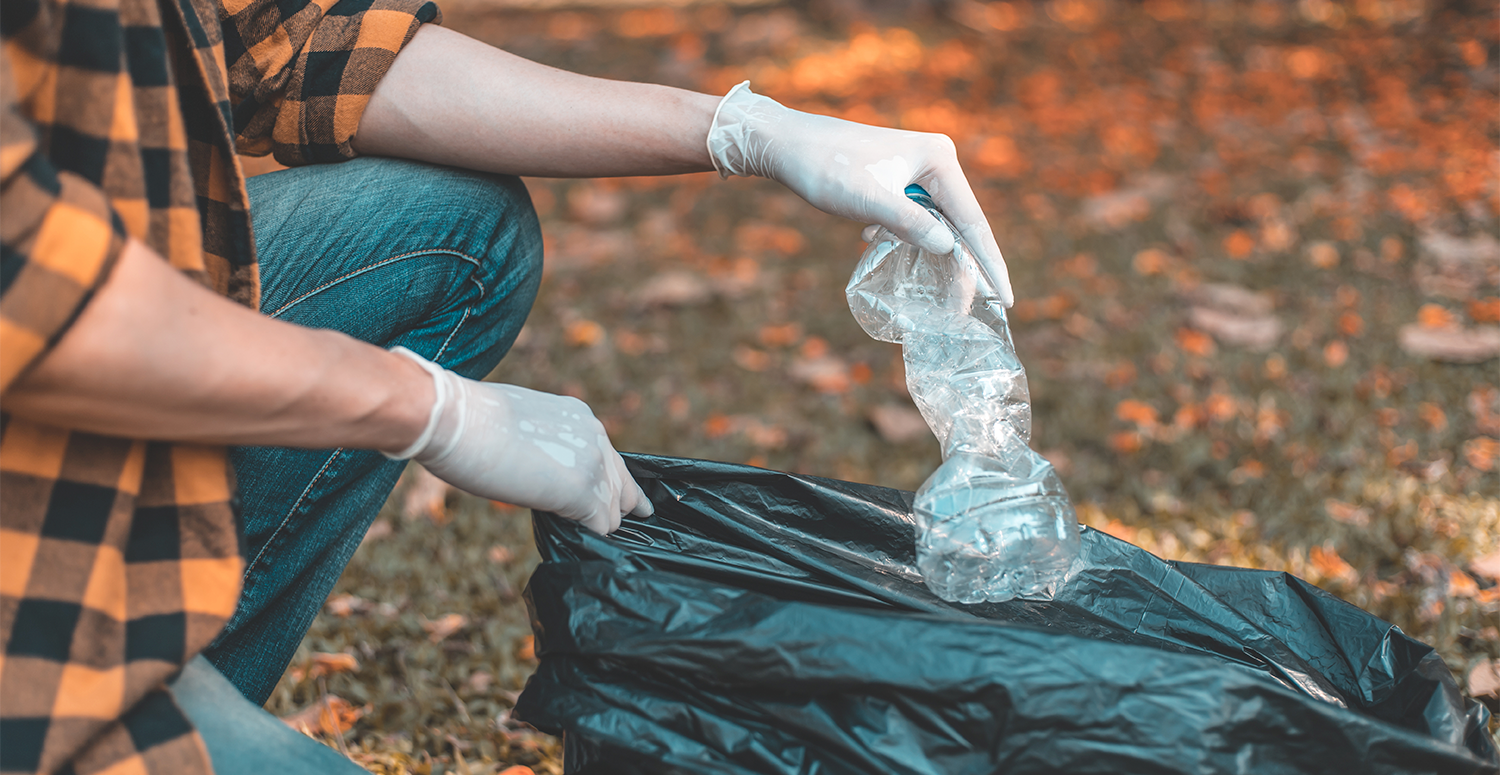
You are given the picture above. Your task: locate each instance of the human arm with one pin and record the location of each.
(452, 100)
(155, 355)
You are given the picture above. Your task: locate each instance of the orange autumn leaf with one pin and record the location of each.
(1486, 310)
(517, 769)
(1189, 416)
(1323, 255)
(583, 333)
(1125, 442)
(526, 648)
(1220, 407)
(1329, 564)
(1432, 416)
(1435, 316)
(1239, 244)
(1351, 324)
(444, 626)
(1195, 342)
(717, 426)
(1141, 414)
(751, 359)
(861, 373)
(1336, 353)
(1150, 262)
(1461, 584)
(784, 335)
(325, 663)
(331, 715)
(1482, 453)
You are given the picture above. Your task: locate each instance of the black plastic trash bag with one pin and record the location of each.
(764, 622)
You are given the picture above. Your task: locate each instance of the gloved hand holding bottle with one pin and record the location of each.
(859, 172)
(524, 447)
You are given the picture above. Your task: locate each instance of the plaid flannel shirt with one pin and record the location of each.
(119, 558)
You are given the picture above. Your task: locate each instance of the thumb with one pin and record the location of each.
(911, 223)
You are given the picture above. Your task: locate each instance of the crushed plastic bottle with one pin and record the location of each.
(993, 521)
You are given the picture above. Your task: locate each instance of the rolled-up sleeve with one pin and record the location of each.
(302, 71)
(59, 237)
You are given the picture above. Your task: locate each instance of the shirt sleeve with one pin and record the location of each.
(302, 71)
(59, 237)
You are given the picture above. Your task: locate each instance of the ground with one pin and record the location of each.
(1255, 250)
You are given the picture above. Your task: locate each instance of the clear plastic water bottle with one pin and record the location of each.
(993, 521)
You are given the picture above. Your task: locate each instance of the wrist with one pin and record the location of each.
(406, 416)
(742, 122)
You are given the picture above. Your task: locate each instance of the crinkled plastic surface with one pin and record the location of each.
(993, 521)
(763, 622)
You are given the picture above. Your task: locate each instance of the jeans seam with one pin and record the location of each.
(372, 267)
(250, 568)
(293, 510)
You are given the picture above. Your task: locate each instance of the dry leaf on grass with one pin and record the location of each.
(444, 626)
(1256, 333)
(825, 374)
(1347, 513)
(332, 715)
(898, 424)
(1452, 345)
(1484, 679)
(1488, 566)
(673, 289)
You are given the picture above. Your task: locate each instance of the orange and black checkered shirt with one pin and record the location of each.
(120, 558)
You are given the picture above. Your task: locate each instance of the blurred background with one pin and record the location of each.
(1255, 250)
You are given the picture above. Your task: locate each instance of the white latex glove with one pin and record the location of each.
(856, 171)
(524, 447)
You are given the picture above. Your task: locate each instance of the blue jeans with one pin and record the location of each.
(443, 262)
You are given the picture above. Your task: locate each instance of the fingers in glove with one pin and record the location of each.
(911, 223)
(952, 194)
(869, 232)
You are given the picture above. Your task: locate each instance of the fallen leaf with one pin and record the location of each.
(1488, 566)
(1143, 415)
(1451, 345)
(1231, 298)
(1461, 584)
(526, 648)
(673, 289)
(583, 333)
(1347, 513)
(346, 605)
(825, 374)
(898, 424)
(501, 554)
(329, 663)
(1484, 679)
(517, 769)
(332, 715)
(1329, 564)
(1322, 255)
(784, 335)
(1436, 316)
(1336, 353)
(444, 626)
(1239, 244)
(750, 358)
(1256, 333)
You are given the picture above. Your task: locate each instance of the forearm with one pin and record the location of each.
(450, 99)
(157, 356)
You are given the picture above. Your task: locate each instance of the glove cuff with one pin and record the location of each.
(736, 118)
(439, 401)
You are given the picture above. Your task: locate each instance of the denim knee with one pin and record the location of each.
(504, 284)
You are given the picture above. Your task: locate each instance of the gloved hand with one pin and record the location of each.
(524, 447)
(856, 171)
